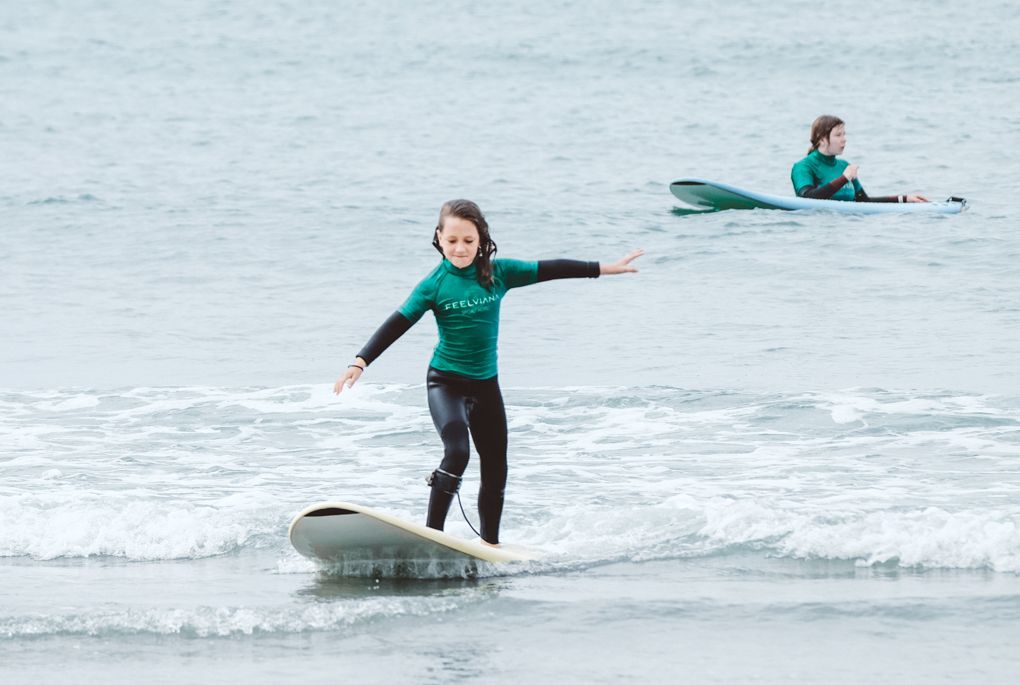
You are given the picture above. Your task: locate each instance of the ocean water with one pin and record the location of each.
(787, 450)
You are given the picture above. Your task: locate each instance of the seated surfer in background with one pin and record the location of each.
(823, 176)
(464, 293)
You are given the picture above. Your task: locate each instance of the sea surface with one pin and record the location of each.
(787, 450)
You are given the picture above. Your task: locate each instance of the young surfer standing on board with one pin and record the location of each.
(464, 293)
(822, 176)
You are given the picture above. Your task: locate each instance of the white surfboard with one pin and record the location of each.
(351, 537)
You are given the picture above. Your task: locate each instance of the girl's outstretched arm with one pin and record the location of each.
(388, 333)
(553, 269)
(621, 266)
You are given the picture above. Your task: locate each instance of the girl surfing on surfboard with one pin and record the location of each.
(822, 176)
(464, 293)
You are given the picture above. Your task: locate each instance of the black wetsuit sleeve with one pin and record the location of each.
(823, 192)
(551, 269)
(861, 196)
(388, 333)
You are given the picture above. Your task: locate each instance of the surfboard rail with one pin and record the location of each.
(713, 196)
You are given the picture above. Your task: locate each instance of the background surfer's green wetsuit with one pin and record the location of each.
(820, 177)
(463, 387)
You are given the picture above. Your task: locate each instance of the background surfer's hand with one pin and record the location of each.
(621, 267)
(351, 375)
(917, 198)
(850, 172)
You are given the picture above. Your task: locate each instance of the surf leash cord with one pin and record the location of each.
(464, 514)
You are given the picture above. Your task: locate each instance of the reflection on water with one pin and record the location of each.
(328, 586)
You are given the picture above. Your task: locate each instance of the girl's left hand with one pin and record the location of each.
(917, 198)
(622, 266)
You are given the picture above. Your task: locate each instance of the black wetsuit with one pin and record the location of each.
(460, 405)
(463, 386)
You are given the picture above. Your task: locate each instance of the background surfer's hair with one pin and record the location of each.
(821, 128)
(468, 210)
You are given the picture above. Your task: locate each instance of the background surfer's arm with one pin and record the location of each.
(823, 192)
(861, 196)
(551, 269)
(392, 328)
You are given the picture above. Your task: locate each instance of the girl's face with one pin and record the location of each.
(459, 240)
(835, 143)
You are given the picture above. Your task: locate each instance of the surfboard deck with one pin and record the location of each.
(351, 536)
(711, 196)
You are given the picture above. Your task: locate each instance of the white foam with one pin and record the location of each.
(596, 474)
(931, 537)
(223, 621)
(70, 404)
(134, 529)
(846, 414)
(928, 537)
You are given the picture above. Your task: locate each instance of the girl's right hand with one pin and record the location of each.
(850, 172)
(350, 377)
(621, 266)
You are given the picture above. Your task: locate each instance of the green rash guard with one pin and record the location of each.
(466, 313)
(818, 170)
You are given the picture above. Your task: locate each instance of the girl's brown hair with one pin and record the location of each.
(468, 210)
(821, 128)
